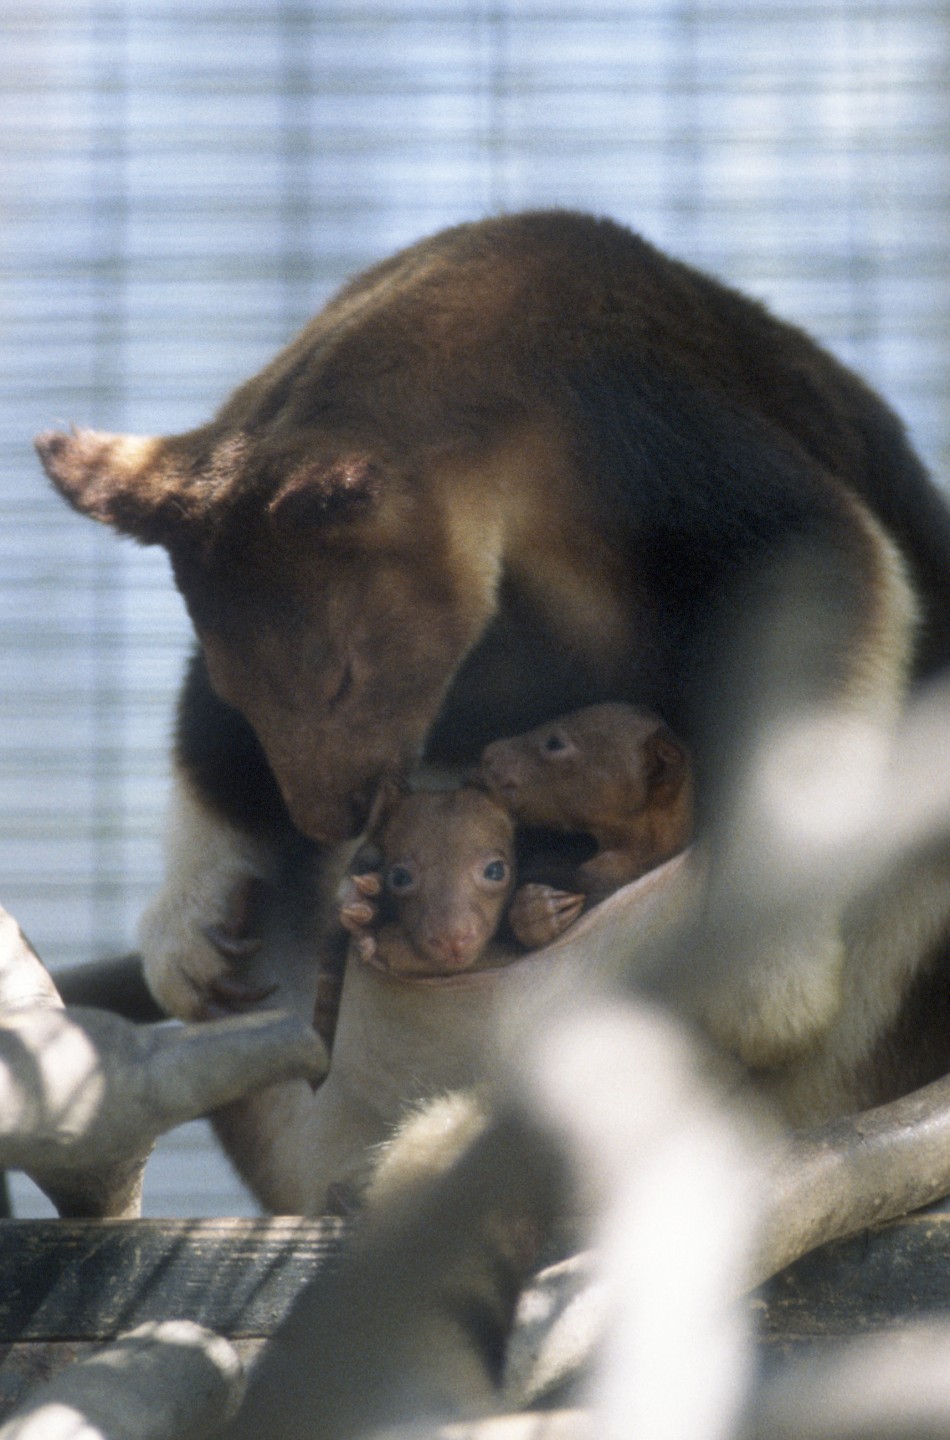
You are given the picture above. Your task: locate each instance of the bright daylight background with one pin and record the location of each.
(182, 182)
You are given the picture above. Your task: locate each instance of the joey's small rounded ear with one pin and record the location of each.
(324, 493)
(669, 759)
(475, 785)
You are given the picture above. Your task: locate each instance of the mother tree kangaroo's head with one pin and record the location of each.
(333, 603)
(338, 531)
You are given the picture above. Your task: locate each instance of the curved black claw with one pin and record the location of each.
(235, 937)
(227, 996)
(231, 946)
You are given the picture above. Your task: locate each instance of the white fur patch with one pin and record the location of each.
(206, 860)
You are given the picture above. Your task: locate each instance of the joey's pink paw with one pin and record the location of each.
(539, 914)
(356, 898)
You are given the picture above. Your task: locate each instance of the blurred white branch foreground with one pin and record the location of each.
(161, 1380)
(84, 1094)
(83, 1097)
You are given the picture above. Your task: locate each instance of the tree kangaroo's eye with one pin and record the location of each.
(496, 871)
(400, 879)
(554, 741)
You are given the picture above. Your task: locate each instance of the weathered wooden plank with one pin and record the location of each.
(881, 1278)
(68, 1285)
(68, 1280)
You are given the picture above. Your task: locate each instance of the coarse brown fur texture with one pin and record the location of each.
(527, 465)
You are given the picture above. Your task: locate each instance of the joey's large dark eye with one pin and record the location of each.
(400, 879)
(496, 871)
(553, 742)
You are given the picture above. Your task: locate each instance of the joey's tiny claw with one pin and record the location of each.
(368, 883)
(357, 916)
(231, 946)
(539, 914)
(365, 946)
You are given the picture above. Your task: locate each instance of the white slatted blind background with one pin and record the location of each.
(183, 181)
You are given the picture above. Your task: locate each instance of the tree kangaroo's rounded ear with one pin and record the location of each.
(321, 493)
(146, 486)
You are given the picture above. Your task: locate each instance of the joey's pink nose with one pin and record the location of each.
(455, 948)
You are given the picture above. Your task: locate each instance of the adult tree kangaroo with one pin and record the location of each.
(527, 465)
